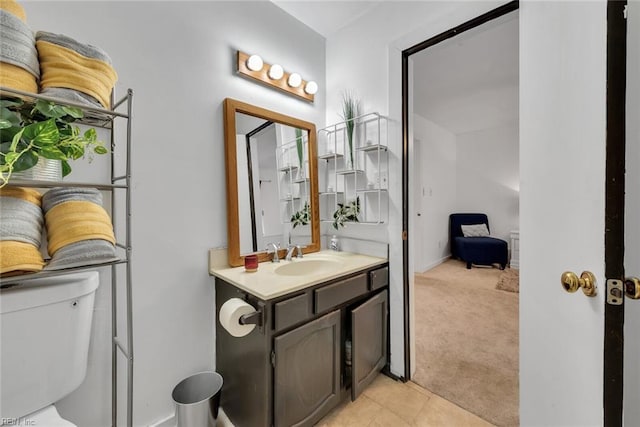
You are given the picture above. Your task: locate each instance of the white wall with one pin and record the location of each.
(632, 223)
(488, 177)
(470, 172)
(435, 192)
(179, 59)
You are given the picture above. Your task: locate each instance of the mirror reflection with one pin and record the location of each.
(273, 184)
(272, 189)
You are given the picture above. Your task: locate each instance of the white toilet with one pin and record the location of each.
(45, 330)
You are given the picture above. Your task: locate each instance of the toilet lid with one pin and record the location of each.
(44, 417)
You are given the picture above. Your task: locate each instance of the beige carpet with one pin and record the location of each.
(509, 281)
(467, 340)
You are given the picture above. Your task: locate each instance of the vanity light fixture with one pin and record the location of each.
(276, 72)
(311, 88)
(294, 80)
(253, 67)
(255, 63)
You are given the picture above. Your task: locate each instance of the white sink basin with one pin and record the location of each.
(303, 267)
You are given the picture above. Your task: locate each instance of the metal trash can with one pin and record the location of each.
(197, 399)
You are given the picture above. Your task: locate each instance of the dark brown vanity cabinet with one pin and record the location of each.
(295, 367)
(368, 341)
(306, 381)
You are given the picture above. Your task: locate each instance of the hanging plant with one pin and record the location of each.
(29, 132)
(346, 212)
(301, 217)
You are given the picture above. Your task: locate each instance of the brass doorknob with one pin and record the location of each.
(587, 281)
(632, 287)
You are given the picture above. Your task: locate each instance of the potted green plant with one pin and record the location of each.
(346, 212)
(301, 217)
(350, 107)
(44, 130)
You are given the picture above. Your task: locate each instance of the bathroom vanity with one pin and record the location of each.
(320, 337)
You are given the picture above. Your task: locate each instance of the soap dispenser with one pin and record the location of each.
(334, 244)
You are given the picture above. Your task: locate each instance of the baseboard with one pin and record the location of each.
(170, 421)
(436, 263)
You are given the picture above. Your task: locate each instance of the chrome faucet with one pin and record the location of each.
(273, 248)
(290, 250)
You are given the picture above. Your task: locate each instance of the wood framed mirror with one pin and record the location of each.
(272, 182)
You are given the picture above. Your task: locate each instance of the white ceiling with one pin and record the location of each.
(464, 84)
(326, 17)
(470, 81)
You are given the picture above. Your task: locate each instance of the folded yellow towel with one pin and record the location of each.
(15, 77)
(28, 194)
(66, 68)
(18, 257)
(13, 8)
(74, 221)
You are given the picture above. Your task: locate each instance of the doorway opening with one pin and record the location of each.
(461, 155)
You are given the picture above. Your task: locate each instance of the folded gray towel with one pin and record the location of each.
(86, 252)
(85, 50)
(20, 221)
(59, 195)
(71, 95)
(17, 44)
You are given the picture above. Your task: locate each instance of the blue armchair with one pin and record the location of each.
(484, 250)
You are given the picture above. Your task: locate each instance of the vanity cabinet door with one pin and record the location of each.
(368, 341)
(307, 372)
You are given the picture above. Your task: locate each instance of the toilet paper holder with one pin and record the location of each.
(255, 318)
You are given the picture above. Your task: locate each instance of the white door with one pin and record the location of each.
(632, 219)
(563, 48)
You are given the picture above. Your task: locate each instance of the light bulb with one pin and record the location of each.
(276, 72)
(254, 63)
(311, 88)
(294, 80)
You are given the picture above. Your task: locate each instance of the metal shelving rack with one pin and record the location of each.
(103, 118)
(368, 176)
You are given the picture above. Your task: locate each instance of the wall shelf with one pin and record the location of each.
(330, 156)
(373, 147)
(293, 182)
(366, 179)
(349, 171)
(288, 168)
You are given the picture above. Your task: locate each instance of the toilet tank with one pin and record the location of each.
(45, 328)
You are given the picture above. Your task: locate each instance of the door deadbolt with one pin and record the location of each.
(632, 287)
(587, 281)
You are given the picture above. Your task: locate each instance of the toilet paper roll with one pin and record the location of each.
(230, 314)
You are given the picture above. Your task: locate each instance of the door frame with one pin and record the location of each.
(613, 369)
(475, 22)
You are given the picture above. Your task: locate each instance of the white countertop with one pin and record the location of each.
(267, 284)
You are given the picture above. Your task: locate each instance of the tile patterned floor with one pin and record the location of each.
(389, 403)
